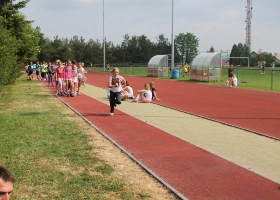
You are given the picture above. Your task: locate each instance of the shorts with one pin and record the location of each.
(43, 74)
(80, 79)
(145, 100)
(37, 72)
(29, 73)
(60, 82)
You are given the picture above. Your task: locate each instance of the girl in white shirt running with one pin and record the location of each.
(115, 84)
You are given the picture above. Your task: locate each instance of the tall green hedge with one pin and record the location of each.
(8, 57)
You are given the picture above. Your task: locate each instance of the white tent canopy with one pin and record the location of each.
(206, 66)
(158, 66)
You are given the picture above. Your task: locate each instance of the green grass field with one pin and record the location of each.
(249, 78)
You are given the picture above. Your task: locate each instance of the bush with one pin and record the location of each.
(8, 57)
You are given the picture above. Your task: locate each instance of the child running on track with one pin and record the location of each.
(115, 85)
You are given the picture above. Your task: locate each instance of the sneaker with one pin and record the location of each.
(111, 114)
(134, 101)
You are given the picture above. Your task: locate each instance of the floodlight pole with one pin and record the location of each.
(172, 40)
(104, 42)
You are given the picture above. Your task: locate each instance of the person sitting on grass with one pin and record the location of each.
(144, 95)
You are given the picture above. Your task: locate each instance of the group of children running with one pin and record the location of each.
(66, 77)
(119, 89)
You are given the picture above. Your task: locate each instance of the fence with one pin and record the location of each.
(255, 78)
(247, 77)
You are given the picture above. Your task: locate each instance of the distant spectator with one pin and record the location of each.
(186, 70)
(108, 67)
(272, 67)
(230, 76)
(234, 80)
(6, 183)
(260, 66)
(263, 67)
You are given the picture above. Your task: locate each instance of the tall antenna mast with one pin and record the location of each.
(249, 9)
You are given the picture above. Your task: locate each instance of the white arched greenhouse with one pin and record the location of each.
(207, 67)
(158, 66)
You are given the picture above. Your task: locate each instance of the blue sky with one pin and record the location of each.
(217, 23)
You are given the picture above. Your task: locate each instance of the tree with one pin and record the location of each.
(212, 49)
(8, 56)
(27, 37)
(162, 46)
(186, 44)
(237, 51)
(145, 49)
(77, 46)
(124, 46)
(93, 52)
(3, 3)
(269, 58)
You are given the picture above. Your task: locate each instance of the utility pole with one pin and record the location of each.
(104, 39)
(172, 39)
(249, 9)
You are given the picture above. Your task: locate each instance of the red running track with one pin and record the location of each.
(258, 111)
(193, 172)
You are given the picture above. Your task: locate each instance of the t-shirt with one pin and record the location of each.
(30, 69)
(230, 72)
(44, 68)
(50, 69)
(60, 72)
(234, 81)
(130, 91)
(113, 81)
(148, 94)
(38, 67)
(68, 72)
(80, 72)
